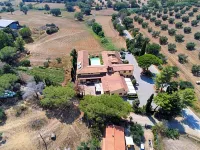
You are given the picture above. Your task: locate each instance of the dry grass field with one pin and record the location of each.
(23, 132)
(103, 17)
(185, 69)
(51, 5)
(71, 34)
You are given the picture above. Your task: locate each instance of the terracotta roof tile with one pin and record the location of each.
(114, 139)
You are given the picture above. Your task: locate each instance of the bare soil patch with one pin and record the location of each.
(183, 143)
(71, 34)
(23, 132)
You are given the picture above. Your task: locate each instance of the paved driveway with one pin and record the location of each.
(146, 85)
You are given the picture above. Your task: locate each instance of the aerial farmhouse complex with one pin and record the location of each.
(106, 71)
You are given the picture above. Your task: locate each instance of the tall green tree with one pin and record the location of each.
(25, 32)
(164, 77)
(7, 54)
(19, 44)
(148, 106)
(104, 108)
(147, 60)
(172, 104)
(5, 39)
(57, 96)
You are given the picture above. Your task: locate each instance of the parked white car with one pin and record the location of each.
(142, 147)
(198, 82)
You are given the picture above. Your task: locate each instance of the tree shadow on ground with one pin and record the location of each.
(147, 79)
(191, 121)
(175, 124)
(66, 115)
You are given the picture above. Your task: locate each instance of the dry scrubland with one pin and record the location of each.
(72, 34)
(23, 132)
(185, 69)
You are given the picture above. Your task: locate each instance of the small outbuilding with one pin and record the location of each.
(9, 23)
(129, 142)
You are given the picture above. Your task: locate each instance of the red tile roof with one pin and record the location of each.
(114, 138)
(113, 82)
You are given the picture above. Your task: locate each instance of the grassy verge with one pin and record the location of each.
(56, 75)
(108, 45)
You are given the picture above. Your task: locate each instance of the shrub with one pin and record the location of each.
(25, 63)
(191, 14)
(197, 36)
(195, 9)
(158, 22)
(46, 64)
(137, 133)
(178, 16)
(153, 19)
(187, 8)
(194, 23)
(185, 19)
(182, 58)
(172, 133)
(51, 30)
(179, 25)
(104, 41)
(147, 16)
(145, 25)
(59, 60)
(171, 32)
(187, 30)
(171, 48)
(164, 17)
(179, 38)
(164, 27)
(101, 34)
(163, 40)
(25, 32)
(190, 46)
(171, 20)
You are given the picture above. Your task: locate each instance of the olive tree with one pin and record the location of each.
(191, 14)
(178, 16)
(187, 30)
(195, 9)
(190, 46)
(185, 19)
(158, 22)
(153, 19)
(172, 48)
(145, 25)
(163, 40)
(171, 20)
(140, 20)
(179, 25)
(194, 23)
(164, 27)
(155, 34)
(179, 38)
(164, 17)
(171, 13)
(159, 15)
(198, 17)
(171, 32)
(182, 58)
(197, 36)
